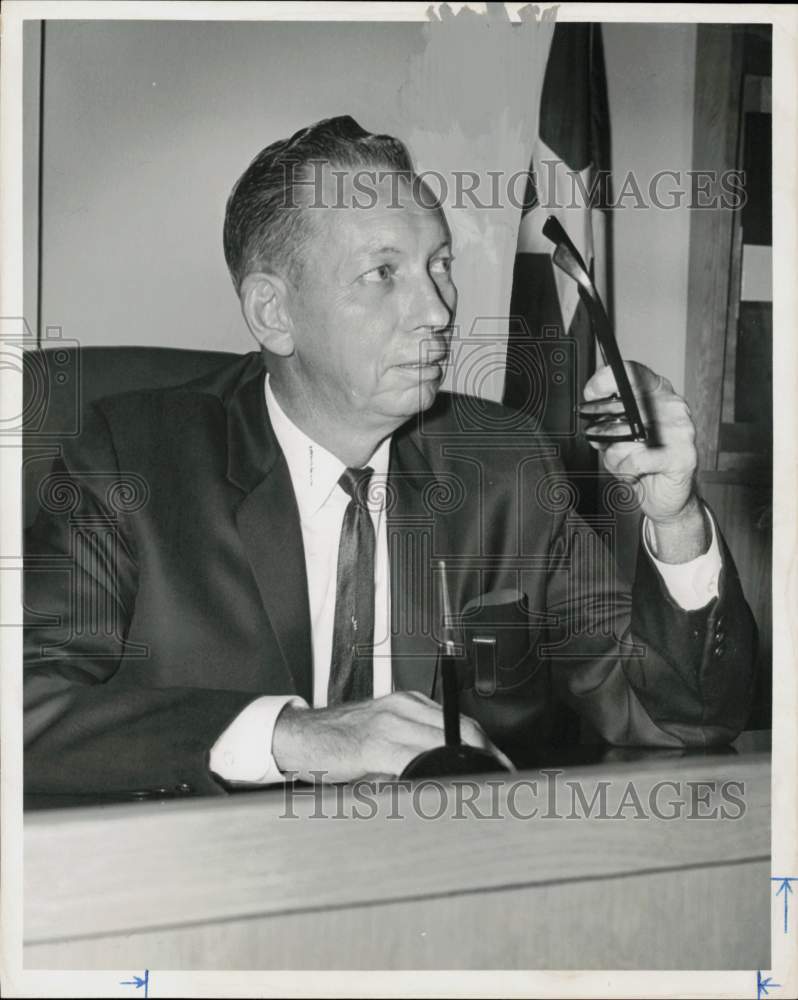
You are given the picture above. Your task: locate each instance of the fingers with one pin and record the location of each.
(413, 705)
(470, 730)
(671, 439)
(404, 725)
(642, 379)
(404, 746)
(608, 418)
(605, 434)
(605, 418)
(644, 461)
(417, 696)
(674, 452)
(601, 407)
(423, 708)
(474, 735)
(625, 454)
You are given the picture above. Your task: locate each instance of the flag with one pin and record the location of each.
(551, 349)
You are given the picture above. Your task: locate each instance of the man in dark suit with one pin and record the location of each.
(255, 555)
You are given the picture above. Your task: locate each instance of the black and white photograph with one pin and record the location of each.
(399, 499)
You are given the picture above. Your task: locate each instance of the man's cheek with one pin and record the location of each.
(366, 378)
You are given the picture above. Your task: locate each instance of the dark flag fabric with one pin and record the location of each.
(551, 350)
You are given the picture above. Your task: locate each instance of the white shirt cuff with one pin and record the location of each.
(692, 584)
(243, 753)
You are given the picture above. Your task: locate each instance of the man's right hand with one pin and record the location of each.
(380, 736)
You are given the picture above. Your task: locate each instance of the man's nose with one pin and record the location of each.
(430, 311)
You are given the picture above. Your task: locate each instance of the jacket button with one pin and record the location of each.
(184, 788)
(720, 648)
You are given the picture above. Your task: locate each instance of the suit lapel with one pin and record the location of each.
(412, 533)
(267, 518)
(268, 524)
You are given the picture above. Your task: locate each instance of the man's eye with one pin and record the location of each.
(441, 265)
(378, 275)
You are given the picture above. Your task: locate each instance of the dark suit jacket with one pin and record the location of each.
(166, 589)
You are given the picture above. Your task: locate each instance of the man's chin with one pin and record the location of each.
(402, 402)
(422, 396)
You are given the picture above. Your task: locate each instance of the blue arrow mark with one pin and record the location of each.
(786, 889)
(138, 982)
(763, 985)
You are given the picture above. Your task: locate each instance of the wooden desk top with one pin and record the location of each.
(121, 869)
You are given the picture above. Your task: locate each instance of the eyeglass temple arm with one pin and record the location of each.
(568, 259)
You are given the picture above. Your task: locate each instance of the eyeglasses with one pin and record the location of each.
(567, 258)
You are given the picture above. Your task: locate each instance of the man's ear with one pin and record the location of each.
(265, 308)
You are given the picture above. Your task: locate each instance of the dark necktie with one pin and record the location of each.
(351, 667)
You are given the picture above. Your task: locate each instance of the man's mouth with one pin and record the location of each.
(427, 360)
(431, 368)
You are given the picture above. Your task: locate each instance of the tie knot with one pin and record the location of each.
(355, 483)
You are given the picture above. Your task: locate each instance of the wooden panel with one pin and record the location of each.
(732, 321)
(155, 869)
(745, 437)
(715, 132)
(644, 921)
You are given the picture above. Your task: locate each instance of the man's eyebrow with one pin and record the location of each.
(376, 248)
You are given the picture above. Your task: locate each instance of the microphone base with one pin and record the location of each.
(446, 760)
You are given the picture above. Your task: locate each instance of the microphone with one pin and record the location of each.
(453, 757)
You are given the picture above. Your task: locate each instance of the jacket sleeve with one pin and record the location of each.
(632, 662)
(85, 730)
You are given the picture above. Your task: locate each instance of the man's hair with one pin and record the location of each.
(265, 225)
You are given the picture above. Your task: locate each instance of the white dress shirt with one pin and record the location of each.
(243, 751)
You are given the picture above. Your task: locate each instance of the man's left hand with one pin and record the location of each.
(661, 469)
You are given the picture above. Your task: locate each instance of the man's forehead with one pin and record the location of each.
(383, 228)
(379, 209)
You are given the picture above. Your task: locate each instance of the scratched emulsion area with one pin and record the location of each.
(470, 103)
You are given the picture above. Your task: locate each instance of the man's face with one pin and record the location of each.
(372, 308)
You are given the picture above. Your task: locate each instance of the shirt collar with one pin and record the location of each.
(314, 470)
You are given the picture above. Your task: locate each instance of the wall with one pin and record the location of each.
(650, 81)
(147, 125)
